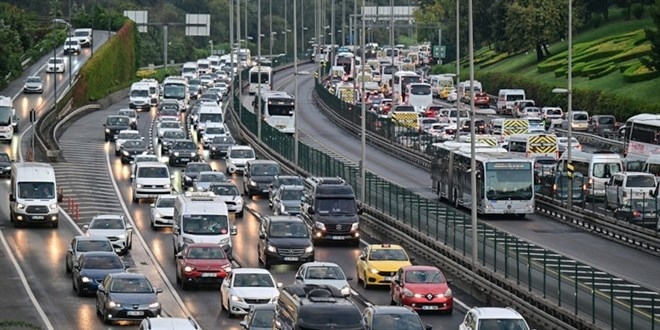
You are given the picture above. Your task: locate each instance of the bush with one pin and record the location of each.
(611, 68)
(637, 73)
(637, 11)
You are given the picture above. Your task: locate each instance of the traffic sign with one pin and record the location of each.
(569, 170)
(439, 51)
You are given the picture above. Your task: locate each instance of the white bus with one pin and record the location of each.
(505, 183)
(176, 88)
(400, 81)
(261, 79)
(597, 166)
(386, 73)
(245, 57)
(277, 110)
(347, 61)
(642, 135)
(419, 95)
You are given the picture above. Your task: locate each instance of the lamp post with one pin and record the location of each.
(272, 38)
(295, 85)
(473, 162)
(286, 41)
(458, 65)
(302, 40)
(211, 44)
(363, 123)
(258, 111)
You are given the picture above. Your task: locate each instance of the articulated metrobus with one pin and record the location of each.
(642, 135)
(277, 108)
(505, 183)
(261, 79)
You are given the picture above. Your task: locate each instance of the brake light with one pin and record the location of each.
(636, 214)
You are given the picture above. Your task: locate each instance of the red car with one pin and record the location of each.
(481, 99)
(432, 111)
(423, 288)
(201, 263)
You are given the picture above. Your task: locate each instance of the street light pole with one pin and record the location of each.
(238, 38)
(473, 161)
(270, 30)
(295, 84)
(458, 65)
(392, 32)
(570, 103)
(363, 119)
(258, 109)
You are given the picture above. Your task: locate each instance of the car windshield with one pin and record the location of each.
(408, 321)
(205, 224)
(336, 206)
(605, 170)
(212, 177)
(137, 144)
(606, 121)
(102, 262)
(288, 230)
(107, 223)
(117, 121)
(71, 43)
(36, 190)
(292, 194)
(290, 181)
(170, 124)
(206, 253)
(174, 135)
(424, 276)
(388, 254)
(87, 246)
(253, 280)
(80, 33)
(263, 318)
(4, 158)
(265, 169)
(34, 80)
(641, 181)
(341, 317)
(185, 145)
(194, 82)
(497, 324)
(146, 158)
(196, 168)
(325, 273)
(642, 204)
(553, 112)
(210, 117)
(214, 130)
(128, 113)
(165, 202)
(169, 113)
(242, 153)
(128, 136)
(223, 140)
(131, 285)
(229, 190)
(140, 93)
(152, 172)
(55, 61)
(580, 116)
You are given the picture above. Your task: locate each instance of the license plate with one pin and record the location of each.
(290, 258)
(209, 275)
(338, 238)
(185, 159)
(38, 217)
(508, 211)
(387, 278)
(429, 308)
(135, 313)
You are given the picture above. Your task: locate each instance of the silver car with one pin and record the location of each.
(33, 84)
(127, 297)
(162, 212)
(205, 179)
(287, 199)
(324, 273)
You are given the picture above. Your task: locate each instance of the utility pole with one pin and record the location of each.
(392, 32)
(258, 109)
(473, 161)
(458, 66)
(332, 28)
(231, 57)
(238, 37)
(295, 84)
(343, 22)
(270, 31)
(363, 119)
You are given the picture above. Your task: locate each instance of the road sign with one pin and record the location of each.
(140, 17)
(198, 25)
(569, 170)
(439, 52)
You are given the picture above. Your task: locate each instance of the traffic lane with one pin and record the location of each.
(536, 229)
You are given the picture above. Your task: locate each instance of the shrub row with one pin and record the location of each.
(114, 64)
(611, 68)
(639, 72)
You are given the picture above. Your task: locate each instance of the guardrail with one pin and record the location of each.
(595, 140)
(606, 227)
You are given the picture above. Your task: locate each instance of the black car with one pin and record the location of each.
(284, 239)
(183, 152)
(393, 317)
(169, 136)
(191, 172)
(114, 124)
(5, 165)
(130, 148)
(219, 145)
(127, 297)
(259, 174)
(91, 269)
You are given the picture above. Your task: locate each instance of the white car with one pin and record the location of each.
(55, 64)
(562, 144)
(229, 193)
(71, 46)
(211, 131)
(162, 211)
(237, 157)
(206, 178)
(245, 287)
(486, 317)
(207, 80)
(142, 158)
(168, 114)
(115, 227)
(324, 273)
(124, 136)
(165, 125)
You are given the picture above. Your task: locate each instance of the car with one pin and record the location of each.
(132, 148)
(562, 144)
(211, 131)
(493, 318)
(201, 263)
(444, 93)
(284, 239)
(228, 192)
(115, 124)
(124, 136)
(602, 125)
(237, 156)
(207, 178)
(84, 36)
(287, 200)
(132, 114)
(260, 317)
(324, 273)
(191, 172)
(33, 84)
(81, 244)
(55, 65)
(71, 46)
(169, 136)
(422, 288)
(142, 158)
(162, 211)
(219, 145)
(91, 269)
(168, 323)
(258, 175)
(211, 96)
(281, 180)
(5, 165)
(217, 91)
(182, 152)
(113, 226)
(245, 287)
(127, 297)
(557, 186)
(206, 80)
(395, 317)
(165, 125)
(169, 104)
(378, 264)
(639, 211)
(168, 114)
(481, 100)
(623, 186)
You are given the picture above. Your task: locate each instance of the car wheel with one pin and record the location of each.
(79, 291)
(130, 243)
(178, 276)
(136, 200)
(106, 139)
(607, 204)
(185, 286)
(364, 282)
(117, 153)
(227, 171)
(68, 267)
(392, 302)
(55, 224)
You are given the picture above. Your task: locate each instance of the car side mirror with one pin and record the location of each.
(279, 285)
(310, 210)
(450, 281)
(397, 281)
(176, 231)
(233, 231)
(86, 227)
(127, 266)
(60, 198)
(412, 259)
(179, 255)
(159, 291)
(104, 125)
(12, 198)
(428, 327)
(129, 227)
(349, 278)
(244, 324)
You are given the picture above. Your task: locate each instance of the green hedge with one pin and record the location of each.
(611, 68)
(113, 64)
(639, 72)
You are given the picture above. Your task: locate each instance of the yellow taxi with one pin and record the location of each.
(378, 264)
(444, 93)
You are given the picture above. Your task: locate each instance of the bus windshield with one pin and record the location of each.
(5, 115)
(420, 90)
(174, 91)
(254, 77)
(280, 110)
(509, 181)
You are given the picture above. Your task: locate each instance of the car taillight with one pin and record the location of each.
(636, 214)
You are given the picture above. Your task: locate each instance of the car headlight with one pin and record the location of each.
(355, 226)
(224, 241)
(448, 293)
(107, 130)
(176, 154)
(309, 249)
(271, 248)
(126, 153)
(236, 298)
(193, 154)
(283, 210)
(253, 183)
(167, 186)
(154, 305)
(213, 148)
(188, 240)
(53, 206)
(188, 269)
(408, 293)
(158, 215)
(122, 236)
(20, 206)
(187, 178)
(346, 291)
(374, 270)
(319, 225)
(138, 185)
(85, 279)
(274, 299)
(113, 304)
(238, 200)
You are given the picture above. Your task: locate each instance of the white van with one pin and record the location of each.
(139, 96)
(33, 196)
(201, 217)
(150, 180)
(189, 70)
(652, 166)
(505, 99)
(625, 186)
(554, 114)
(580, 121)
(168, 323)
(598, 167)
(154, 93)
(203, 66)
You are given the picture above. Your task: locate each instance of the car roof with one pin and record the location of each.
(292, 187)
(319, 264)
(241, 147)
(91, 238)
(269, 307)
(263, 161)
(496, 313)
(100, 254)
(385, 247)
(284, 218)
(170, 196)
(128, 275)
(250, 271)
(197, 163)
(420, 267)
(206, 245)
(393, 310)
(109, 216)
(159, 323)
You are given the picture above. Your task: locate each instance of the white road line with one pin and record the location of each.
(26, 285)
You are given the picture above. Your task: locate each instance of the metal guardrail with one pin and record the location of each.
(595, 140)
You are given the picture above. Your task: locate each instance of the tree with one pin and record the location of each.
(653, 35)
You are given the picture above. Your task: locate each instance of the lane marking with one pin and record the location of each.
(26, 285)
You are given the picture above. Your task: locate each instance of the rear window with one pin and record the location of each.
(580, 116)
(606, 120)
(341, 318)
(641, 181)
